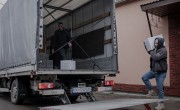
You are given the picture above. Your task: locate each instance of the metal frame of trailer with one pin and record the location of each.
(20, 68)
(30, 69)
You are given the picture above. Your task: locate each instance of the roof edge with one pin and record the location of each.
(157, 3)
(123, 2)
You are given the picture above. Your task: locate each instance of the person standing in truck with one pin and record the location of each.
(61, 37)
(158, 65)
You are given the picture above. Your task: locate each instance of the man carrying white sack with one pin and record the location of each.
(158, 66)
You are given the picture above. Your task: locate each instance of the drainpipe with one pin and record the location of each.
(149, 24)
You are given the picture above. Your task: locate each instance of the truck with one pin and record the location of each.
(26, 31)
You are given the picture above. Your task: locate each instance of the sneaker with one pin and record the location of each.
(160, 106)
(151, 93)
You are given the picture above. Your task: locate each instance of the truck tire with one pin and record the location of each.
(18, 91)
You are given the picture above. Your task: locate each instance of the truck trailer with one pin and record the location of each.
(26, 66)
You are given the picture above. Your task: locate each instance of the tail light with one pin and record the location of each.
(109, 83)
(45, 86)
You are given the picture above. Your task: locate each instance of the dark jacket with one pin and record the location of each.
(61, 37)
(51, 48)
(159, 57)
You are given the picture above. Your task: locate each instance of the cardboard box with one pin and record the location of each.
(68, 65)
(149, 42)
(49, 64)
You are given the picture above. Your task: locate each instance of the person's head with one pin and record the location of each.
(159, 43)
(60, 25)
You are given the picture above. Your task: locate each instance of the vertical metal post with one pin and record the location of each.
(114, 36)
(149, 24)
(41, 24)
(72, 24)
(113, 24)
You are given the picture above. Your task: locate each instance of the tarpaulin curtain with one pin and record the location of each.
(18, 25)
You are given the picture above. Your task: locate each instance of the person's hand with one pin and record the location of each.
(150, 51)
(70, 45)
(52, 50)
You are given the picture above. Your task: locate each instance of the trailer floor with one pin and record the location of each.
(103, 105)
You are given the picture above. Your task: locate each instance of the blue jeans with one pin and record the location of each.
(160, 77)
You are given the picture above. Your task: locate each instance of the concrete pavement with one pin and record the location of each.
(34, 102)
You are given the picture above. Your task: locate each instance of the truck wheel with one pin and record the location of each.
(18, 91)
(73, 98)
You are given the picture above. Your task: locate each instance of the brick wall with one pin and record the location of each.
(174, 53)
(174, 45)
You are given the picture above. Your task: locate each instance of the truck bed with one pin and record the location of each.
(75, 72)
